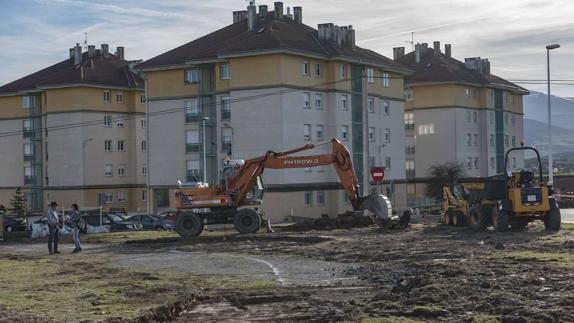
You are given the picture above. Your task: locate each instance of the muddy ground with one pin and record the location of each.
(427, 272)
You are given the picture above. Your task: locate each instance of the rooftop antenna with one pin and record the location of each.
(86, 41)
(412, 42)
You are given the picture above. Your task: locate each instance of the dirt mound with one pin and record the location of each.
(346, 220)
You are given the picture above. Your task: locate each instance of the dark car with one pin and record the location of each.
(168, 216)
(148, 222)
(14, 224)
(116, 222)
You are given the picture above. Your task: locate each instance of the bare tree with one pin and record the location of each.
(442, 175)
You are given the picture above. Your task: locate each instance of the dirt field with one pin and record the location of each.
(428, 272)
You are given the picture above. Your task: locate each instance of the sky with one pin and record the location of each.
(512, 34)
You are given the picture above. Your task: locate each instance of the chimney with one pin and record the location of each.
(236, 15)
(242, 15)
(298, 14)
(120, 52)
(418, 48)
(351, 36)
(72, 52)
(425, 47)
(289, 13)
(77, 55)
(436, 46)
(398, 52)
(447, 50)
(278, 9)
(251, 17)
(263, 10)
(91, 50)
(104, 50)
(477, 64)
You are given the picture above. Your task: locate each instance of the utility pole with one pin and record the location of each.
(147, 133)
(550, 166)
(365, 120)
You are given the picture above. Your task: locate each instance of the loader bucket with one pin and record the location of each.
(381, 208)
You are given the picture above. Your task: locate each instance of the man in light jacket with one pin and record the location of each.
(53, 222)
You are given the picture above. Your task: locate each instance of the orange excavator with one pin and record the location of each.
(241, 186)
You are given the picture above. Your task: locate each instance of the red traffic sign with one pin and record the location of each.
(377, 173)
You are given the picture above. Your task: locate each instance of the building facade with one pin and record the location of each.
(458, 112)
(75, 133)
(269, 82)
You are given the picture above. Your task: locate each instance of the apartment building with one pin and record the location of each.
(269, 82)
(75, 133)
(458, 111)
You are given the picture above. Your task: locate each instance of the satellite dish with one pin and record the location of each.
(179, 183)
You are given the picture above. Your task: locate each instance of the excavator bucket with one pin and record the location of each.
(382, 211)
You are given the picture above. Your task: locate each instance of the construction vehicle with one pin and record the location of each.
(241, 186)
(509, 200)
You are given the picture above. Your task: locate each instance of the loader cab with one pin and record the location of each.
(526, 190)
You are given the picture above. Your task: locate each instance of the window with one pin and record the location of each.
(492, 162)
(225, 108)
(308, 199)
(491, 116)
(387, 163)
(370, 75)
(467, 93)
(475, 116)
(107, 145)
(119, 97)
(387, 133)
(345, 132)
(144, 145)
(108, 170)
(506, 119)
(305, 67)
(144, 195)
(410, 165)
(28, 101)
(306, 100)
(468, 139)
(192, 141)
(409, 121)
(411, 189)
(143, 123)
(162, 197)
(467, 116)
(107, 96)
(192, 113)
(28, 152)
(120, 124)
(144, 169)
(513, 141)
(426, 129)
(192, 76)
(319, 131)
(319, 101)
(192, 171)
(371, 134)
(227, 142)
(108, 198)
(320, 198)
(121, 145)
(344, 99)
(121, 170)
(409, 95)
(469, 163)
(28, 175)
(475, 162)
(307, 131)
(491, 140)
(225, 71)
(371, 105)
(122, 196)
(318, 69)
(506, 140)
(386, 108)
(475, 139)
(386, 80)
(142, 98)
(108, 121)
(342, 71)
(26, 125)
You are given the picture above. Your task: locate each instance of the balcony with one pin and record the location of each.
(409, 126)
(227, 148)
(193, 176)
(192, 148)
(194, 117)
(29, 133)
(410, 173)
(29, 180)
(29, 158)
(226, 115)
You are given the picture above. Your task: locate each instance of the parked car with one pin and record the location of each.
(168, 216)
(14, 224)
(149, 222)
(116, 222)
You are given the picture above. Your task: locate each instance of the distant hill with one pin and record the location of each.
(536, 134)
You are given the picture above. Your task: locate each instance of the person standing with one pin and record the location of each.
(75, 219)
(53, 228)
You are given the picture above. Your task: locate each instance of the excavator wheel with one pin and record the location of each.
(189, 225)
(247, 221)
(479, 220)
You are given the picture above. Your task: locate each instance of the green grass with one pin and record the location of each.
(556, 258)
(89, 289)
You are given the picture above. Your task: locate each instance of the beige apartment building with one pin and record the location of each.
(269, 82)
(75, 133)
(457, 111)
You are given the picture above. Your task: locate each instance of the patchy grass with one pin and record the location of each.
(428, 311)
(557, 258)
(485, 319)
(88, 288)
(120, 237)
(389, 319)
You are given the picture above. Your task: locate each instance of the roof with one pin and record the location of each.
(271, 34)
(441, 68)
(95, 71)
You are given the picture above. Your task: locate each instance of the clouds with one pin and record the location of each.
(511, 33)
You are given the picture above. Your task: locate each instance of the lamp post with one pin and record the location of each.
(550, 167)
(204, 151)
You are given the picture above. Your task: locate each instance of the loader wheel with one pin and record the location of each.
(458, 219)
(445, 217)
(478, 220)
(500, 220)
(552, 220)
(247, 221)
(405, 219)
(450, 217)
(189, 225)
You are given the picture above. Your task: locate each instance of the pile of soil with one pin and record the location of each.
(346, 220)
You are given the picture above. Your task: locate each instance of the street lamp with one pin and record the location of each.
(204, 152)
(550, 170)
